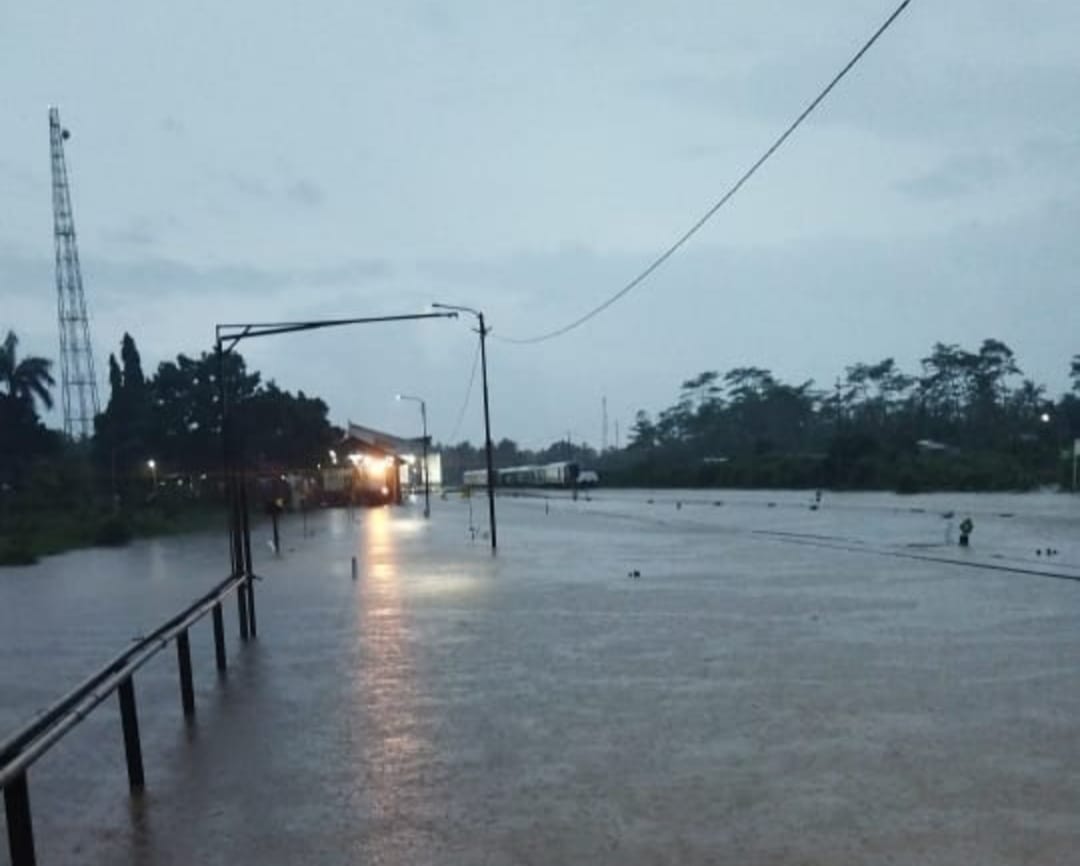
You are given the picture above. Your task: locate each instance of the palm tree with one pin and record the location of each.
(27, 380)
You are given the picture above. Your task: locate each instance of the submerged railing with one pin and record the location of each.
(19, 751)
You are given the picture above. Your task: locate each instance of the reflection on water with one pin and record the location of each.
(391, 749)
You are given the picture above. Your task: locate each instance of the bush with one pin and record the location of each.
(16, 551)
(112, 532)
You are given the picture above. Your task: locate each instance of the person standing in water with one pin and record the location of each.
(966, 528)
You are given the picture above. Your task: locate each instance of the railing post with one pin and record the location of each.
(19, 825)
(251, 604)
(242, 608)
(248, 568)
(219, 637)
(132, 747)
(183, 657)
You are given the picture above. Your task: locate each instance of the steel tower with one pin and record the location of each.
(79, 383)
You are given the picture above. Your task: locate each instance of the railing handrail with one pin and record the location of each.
(31, 741)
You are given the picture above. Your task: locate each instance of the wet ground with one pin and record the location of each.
(780, 685)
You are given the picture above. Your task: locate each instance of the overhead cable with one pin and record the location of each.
(727, 196)
(465, 402)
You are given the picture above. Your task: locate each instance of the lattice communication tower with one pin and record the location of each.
(78, 380)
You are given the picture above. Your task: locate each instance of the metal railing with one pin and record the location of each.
(33, 740)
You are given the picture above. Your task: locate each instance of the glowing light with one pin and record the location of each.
(151, 464)
(333, 456)
(356, 459)
(1045, 417)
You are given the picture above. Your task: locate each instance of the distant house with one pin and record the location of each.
(929, 446)
(409, 452)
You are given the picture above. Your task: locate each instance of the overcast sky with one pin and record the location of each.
(279, 160)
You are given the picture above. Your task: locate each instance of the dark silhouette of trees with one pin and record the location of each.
(174, 418)
(25, 380)
(24, 383)
(962, 422)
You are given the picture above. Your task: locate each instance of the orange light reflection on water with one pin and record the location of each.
(391, 750)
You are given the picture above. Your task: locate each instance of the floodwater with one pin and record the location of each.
(780, 685)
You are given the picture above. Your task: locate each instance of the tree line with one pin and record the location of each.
(968, 419)
(174, 416)
(60, 493)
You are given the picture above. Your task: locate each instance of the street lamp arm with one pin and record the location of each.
(458, 308)
(237, 331)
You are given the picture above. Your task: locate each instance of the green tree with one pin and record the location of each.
(122, 432)
(643, 431)
(701, 387)
(25, 380)
(24, 383)
(186, 417)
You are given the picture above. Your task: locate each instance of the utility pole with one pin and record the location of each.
(77, 377)
(487, 432)
(487, 415)
(603, 437)
(427, 480)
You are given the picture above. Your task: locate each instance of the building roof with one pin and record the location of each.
(377, 439)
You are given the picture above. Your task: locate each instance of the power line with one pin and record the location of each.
(465, 403)
(727, 196)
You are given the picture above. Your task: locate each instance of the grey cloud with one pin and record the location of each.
(250, 186)
(568, 277)
(953, 99)
(302, 191)
(958, 175)
(114, 281)
(21, 179)
(804, 309)
(1053, 152)
(305, 193)
(173, 126)
(137, 233)
(23, 273)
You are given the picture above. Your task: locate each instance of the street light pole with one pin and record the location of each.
(487, 416)
(226, 338)
(423, 421)
(487, 431)
(427, 472)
